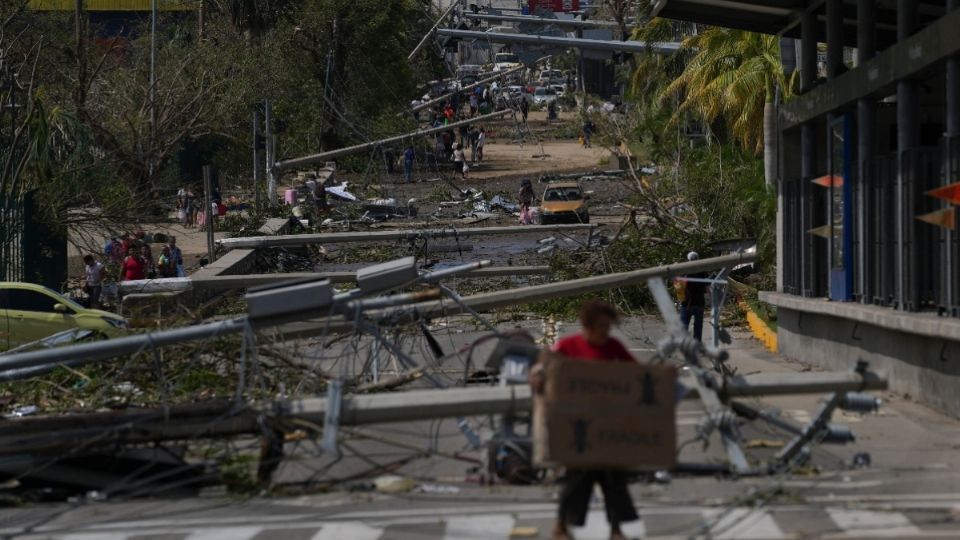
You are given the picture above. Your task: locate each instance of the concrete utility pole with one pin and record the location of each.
(332, 154)
(271, 149)
(429, 34)
(253, 242)
(194, 421)
(211, 217)
(256, 159)
(444, 97)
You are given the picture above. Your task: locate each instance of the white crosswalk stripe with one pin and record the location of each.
(225, 533)
(597, 528)
(479, 527)
(746, 523)
(658, 523)
(869, 524)
(348, 529)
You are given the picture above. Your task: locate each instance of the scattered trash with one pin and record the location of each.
(438, 489)
(662, 477)
(26, 410)
(127, 387)
(341, 192)
(499, 202)
(861, 460)
(764, 443)
(524, 532)
(391, 483)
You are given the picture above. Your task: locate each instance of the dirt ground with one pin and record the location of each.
(505, 164)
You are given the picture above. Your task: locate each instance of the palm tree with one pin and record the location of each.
(735, 76)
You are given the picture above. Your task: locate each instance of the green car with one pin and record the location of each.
(29, 312)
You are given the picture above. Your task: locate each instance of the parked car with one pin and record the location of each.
(560, 89)
(30, 312)
(563, 202)
(543, 95)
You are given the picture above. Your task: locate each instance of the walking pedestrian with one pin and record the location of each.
(593, 344)
(448, 113)
(93, 274)
(588, 129)
(464, 133)
(460, 161)
(408, 156)
(474, 104)
(481, 141)
(473, 137)
(524, 108)
(694, 301)
(177, 256)
(526, 197)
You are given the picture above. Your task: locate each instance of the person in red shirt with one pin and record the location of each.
(593, 344)
(134, 265)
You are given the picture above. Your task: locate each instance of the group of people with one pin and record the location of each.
(190, 207)
(448, 149)
(130, 259)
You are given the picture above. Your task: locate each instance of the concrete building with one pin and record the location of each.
(868, 259)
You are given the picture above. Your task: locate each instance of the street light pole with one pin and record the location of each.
(153, 77)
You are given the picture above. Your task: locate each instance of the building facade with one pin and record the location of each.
(868, 249)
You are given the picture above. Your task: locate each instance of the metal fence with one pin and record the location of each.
(32, 248)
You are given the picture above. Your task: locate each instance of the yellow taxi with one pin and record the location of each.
(29, 312)
(563, 202)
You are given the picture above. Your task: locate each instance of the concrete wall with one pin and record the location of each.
(927, 367)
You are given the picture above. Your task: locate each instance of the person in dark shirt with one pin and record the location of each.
(694, 301)
(593, 344)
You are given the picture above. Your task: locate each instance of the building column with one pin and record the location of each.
(808, 156)
(866, 126)
(908, 138)
(951, 256)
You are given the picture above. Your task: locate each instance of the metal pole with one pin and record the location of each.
(429, 34)
(583, 44)
(326, 156)
(440, 99)
(271, 154)
(529, 19)
(908, 135)
(153, 75)
(211, 217)
(866, 49)
(808, 156)
(256, 160)
(952, 135)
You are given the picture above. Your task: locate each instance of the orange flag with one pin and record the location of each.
(830, 180)
(949, 193)
(945, 217)
(822, 231)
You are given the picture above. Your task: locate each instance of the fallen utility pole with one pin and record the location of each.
(530, 19)
(323, 157)
(552, 41)
(220, 283)
(518, 297)
(253, 242)
(467, 88)
(426, 38)
(29, 363)
(222, 419)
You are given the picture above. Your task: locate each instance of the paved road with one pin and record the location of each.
(421, 518)
(911, 490)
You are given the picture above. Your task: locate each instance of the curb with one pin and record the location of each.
(763, 333)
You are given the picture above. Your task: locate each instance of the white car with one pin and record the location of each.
(543, 95)
(559, 89)
(505, 60)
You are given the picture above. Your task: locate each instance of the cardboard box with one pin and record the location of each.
(619, 415)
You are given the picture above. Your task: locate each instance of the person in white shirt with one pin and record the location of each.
(93, 280)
